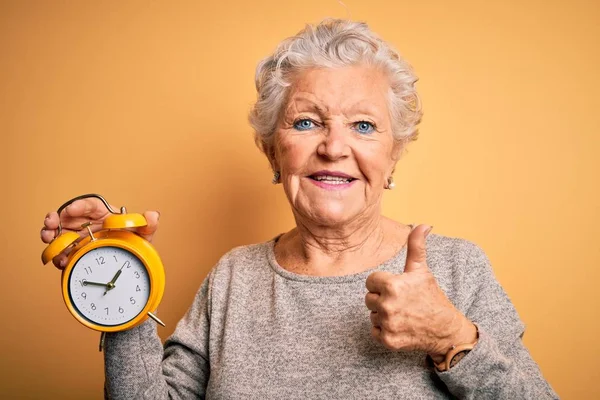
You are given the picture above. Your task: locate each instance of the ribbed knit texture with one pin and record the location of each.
(257, 331)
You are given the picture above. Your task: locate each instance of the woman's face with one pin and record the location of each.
(334, 146)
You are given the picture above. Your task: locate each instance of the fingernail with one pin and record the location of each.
(158, 214)
(63, 263)
(428, 230)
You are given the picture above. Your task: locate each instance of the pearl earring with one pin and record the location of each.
(390, 183)
(276, 176)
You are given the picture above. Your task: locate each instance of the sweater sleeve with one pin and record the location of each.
(499, 367)
(138, 367)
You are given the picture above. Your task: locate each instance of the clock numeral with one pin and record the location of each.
(132, 300)
(121, 310)
(126, 263)
(84, 295)
(100, 260)
(81, 282)
(93, 306)
(106, 308)
(115, 258)
(137, 274)
(88, 270)
(137, 288)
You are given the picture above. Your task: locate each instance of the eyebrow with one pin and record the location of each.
(362, 107)
(315, 106)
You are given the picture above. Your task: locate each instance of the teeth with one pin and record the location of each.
(336, 180)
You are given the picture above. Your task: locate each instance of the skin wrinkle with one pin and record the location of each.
(360, 111)
(231, 343)
(342, 244)
(337, 231)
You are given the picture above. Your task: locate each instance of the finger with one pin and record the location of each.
(416, 255)
(60, 261)
(376, 333)
(51, 220)
(380, 282)
(47, 235)
(372, 301)
(375, 319)
(75, 223)
(49, 230)
(148, 231)
(92, 208)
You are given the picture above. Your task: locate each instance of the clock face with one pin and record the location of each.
(109, 286)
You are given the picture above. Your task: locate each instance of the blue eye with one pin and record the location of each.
(364, 127)
(304, 124)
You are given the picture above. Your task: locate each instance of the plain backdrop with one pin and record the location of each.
(145, 102)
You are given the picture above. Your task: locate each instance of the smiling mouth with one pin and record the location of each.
(331, 179)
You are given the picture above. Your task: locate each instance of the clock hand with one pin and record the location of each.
(114, 279)
(85, 283)
(111, 285)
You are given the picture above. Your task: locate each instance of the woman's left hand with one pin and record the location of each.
(409, 311)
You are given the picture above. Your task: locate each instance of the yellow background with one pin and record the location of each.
(145, 102)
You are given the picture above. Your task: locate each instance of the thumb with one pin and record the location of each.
(148, 231)
(416, 255)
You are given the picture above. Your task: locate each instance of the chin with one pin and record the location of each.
(332, 214)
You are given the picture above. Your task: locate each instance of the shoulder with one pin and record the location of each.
(454, 255)
(465, 274)
(444, 249)
(460, 266)
(242, 264)
(247, 254)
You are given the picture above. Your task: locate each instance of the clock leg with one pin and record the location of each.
(155, 318)
(101, 345)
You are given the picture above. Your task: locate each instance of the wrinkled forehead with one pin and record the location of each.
(355, 89)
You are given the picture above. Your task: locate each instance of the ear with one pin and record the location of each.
(271, 156)
(397, 150)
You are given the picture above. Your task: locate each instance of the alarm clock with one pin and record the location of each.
(114, 279)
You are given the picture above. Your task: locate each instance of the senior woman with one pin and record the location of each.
(289, 318)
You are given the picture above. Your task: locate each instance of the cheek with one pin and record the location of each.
(374, 162)
(294, 154)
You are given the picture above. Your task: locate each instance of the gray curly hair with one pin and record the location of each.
(329, 44)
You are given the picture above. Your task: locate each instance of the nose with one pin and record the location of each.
(334, 145)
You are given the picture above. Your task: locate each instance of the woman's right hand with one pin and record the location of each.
(88, 210)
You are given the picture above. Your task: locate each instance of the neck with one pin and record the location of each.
(363, 234)
(337, 250)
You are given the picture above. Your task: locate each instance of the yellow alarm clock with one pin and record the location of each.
(114, 279)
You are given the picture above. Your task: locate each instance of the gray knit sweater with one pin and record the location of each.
(257, 331)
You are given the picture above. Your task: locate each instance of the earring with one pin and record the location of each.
(390, 183)
(276, 176)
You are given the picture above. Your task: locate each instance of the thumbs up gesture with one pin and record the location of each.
(409, 311)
